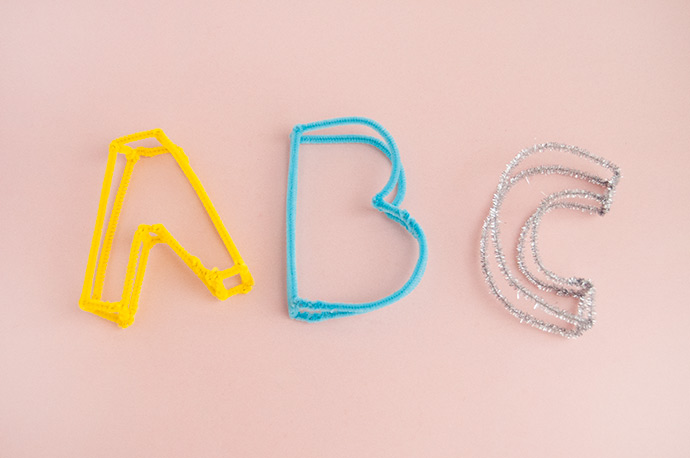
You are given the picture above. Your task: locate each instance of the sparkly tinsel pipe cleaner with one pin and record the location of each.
(573, 325)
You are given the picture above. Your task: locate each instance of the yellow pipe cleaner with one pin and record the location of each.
(147, 236)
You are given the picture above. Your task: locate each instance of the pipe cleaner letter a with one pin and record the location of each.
(147, 236)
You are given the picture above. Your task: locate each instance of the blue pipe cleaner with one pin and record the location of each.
(307, 310)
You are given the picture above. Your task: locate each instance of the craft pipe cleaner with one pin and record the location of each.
(147, 236)
(315, 310)
(570, 324)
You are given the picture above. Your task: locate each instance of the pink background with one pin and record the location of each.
(446, 372)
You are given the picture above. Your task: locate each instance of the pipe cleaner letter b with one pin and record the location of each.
(310, 310)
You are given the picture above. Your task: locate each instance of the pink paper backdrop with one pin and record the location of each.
(446, 372)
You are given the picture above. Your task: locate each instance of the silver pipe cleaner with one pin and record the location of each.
(571, 199)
